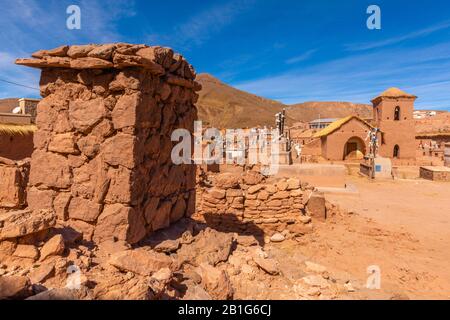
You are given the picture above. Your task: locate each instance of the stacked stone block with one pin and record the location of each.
(102, 158)
(249, 203)
(13, 182)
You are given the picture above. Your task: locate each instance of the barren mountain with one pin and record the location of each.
(437, 124)
(308, 111)
(223, 106)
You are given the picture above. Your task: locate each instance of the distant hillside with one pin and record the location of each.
(6, 105)
(223, 106)
(437, 124)
(308, 111)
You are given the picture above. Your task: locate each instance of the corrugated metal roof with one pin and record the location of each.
(324, 120)
(336, 125)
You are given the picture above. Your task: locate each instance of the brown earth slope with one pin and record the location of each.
(223, 106)
(309, 111)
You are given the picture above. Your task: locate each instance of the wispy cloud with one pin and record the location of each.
(394, 40)
(358, 78)
(302, 57)
(31, 25)
(200, 27)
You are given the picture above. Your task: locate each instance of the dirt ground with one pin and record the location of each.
(402, 226)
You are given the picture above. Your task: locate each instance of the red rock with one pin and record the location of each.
(227, 180)
(119, 150)
(210, 246)
(56, 173)
(178, 211)
(15, 287)
(268, 265)
(53, 247)
(158, 214)
(124, 113)
(80, 51)
(84, 209)
(26, 251)
(103, 51)
(42, 273)
(316, 207)
(89, 145)
(57, 62)
(84, 228)
(90, 63)
(16, 224)
(63, 294)
(254, 189)
(124, 61)
(63, 143)
(57, 52)
(12, 193)
(119, 186)
(215, 282)
(124, 80)
(217, 193)
(119, 222)
(141, 261)
(85, 114)
(180, 82)
(252, 178)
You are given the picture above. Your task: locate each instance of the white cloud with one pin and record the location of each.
(394, 40)
(200, 27)
(31, 25)
(358, 78)
(302, 57)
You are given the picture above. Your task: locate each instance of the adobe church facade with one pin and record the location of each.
(347, 138)
(393, 115)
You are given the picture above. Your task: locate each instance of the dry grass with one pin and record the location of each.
(17, 130)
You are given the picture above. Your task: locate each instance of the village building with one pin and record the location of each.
(344, 139)
(393, 115)
(347, 138)
(17, 129)
(321, 123)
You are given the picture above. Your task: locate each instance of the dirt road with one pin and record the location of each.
(401, 226)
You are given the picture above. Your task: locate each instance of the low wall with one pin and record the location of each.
(249, 203)
(435, 173)
(319, 175)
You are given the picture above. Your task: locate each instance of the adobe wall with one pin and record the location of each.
(333, 149)
(16, 147)
(248, 203)
(401, 132)
(102, 158)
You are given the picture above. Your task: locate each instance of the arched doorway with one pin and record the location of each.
(396, 152)
(354, 149)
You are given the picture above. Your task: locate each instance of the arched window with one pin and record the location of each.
(396, 151)
(397, 114)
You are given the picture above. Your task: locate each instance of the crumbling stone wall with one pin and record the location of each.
(249, 203)
(103, 145)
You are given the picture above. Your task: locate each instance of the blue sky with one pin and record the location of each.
(292, 51)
